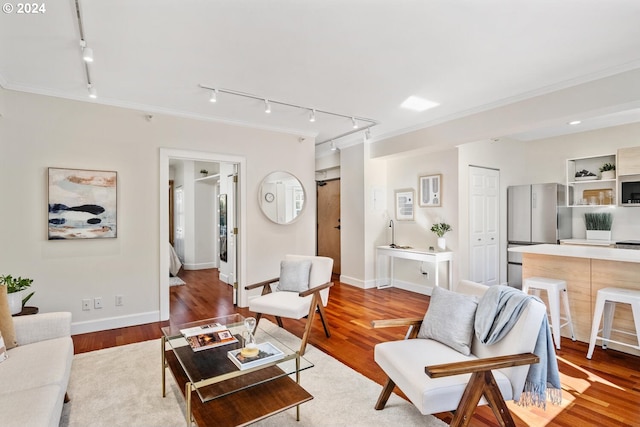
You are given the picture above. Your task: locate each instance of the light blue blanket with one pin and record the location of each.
(498, 310)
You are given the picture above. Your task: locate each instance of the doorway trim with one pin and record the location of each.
(165, 155)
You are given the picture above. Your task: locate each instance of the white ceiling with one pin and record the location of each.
(354, 57)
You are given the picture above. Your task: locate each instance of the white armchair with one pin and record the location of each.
(438, 378)
(311, 296)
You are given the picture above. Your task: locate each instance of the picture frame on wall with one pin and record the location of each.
(430, 190)
(82, 204)
(404, 204)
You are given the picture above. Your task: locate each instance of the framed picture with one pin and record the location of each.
(404, 205)
(82, 204)
(431, 190)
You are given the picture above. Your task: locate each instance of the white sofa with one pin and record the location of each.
(34, 379)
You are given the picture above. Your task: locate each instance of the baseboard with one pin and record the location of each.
(352, 281)
(114, 322)
(200, 266)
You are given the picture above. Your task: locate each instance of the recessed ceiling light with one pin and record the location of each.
(575, 122)
(416, 103)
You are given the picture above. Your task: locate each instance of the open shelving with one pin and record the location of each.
(587, 191)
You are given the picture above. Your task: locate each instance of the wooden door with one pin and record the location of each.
(328, 195)
(484, 202)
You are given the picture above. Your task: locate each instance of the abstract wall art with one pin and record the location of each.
(82, 204)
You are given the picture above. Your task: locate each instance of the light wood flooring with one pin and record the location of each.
(604, 391)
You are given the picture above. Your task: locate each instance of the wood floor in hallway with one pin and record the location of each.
(604, 391)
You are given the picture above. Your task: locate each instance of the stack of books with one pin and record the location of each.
(208, 336)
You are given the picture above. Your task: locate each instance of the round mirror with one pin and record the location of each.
(281, 197)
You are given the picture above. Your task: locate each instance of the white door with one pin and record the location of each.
(178, 209)
(484, 203)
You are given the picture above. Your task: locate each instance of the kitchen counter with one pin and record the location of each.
(586, 269)
(585, 242)
(577, 251)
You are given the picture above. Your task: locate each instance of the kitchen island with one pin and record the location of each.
(586, 269)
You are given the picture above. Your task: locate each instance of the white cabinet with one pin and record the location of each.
(588, 186)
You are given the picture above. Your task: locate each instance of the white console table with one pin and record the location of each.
(415, 254)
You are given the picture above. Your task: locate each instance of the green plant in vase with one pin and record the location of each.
(608, 171)
(598, 225)
(15, 286)
(441, 228)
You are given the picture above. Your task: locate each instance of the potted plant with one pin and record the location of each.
(608, 171)
(15, 288)
(440, 228)
(204, 172)
(598, 225)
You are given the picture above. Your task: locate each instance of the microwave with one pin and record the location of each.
(630, 190)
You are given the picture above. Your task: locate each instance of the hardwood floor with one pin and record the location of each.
(604, 391)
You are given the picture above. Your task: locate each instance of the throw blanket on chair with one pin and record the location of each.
(498, 310)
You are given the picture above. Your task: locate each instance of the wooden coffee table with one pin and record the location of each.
(224, 394)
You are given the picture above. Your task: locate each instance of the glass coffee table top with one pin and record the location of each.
(212, 372)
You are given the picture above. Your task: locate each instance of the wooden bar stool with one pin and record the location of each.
(556, 289)
(606, 301)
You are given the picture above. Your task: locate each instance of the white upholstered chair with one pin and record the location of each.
(303, 299)
(436, 378)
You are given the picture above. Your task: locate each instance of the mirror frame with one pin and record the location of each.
(263, 194)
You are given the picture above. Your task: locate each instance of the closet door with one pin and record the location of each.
(484, 203)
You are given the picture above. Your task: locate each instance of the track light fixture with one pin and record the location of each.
(92, 92)
(356, 122)
(87, 52)
(333, 146)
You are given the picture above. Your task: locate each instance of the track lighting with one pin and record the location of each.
(367, 134)
(92, 92)
(87, 54)
(333, 146)
(359, 124)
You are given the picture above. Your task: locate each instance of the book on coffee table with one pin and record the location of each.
(208, 336)
(267, 353)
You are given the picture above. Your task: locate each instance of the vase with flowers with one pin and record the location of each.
(441, 228)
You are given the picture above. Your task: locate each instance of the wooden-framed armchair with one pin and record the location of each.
(301, 300)
(438, 378)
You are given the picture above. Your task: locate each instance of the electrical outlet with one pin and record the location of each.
(97, 302)
(119, 300)
(86, 304)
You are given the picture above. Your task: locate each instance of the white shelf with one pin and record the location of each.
(586, 189)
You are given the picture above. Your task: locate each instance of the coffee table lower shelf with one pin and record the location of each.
(242, 407)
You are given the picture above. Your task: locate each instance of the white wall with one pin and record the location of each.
(39, 132)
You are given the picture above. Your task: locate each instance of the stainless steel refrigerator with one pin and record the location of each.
(536, 214)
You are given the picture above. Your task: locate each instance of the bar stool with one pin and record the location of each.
(555, 288)
(606, 301)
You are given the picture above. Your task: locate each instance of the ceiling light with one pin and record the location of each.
(92, 92)
(267, 106)
(575, 122)
(333, 146)
(367, 134)
(355, 124)
(87, 54)
(214, 96)
(312, 116)
(418, 104)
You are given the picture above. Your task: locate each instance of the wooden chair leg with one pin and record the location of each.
(307, 328)
(279, 320)
(482, 384)
(325, 323)
(385, 393)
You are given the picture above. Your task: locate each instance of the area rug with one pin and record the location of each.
(121, 386)
(176, 281)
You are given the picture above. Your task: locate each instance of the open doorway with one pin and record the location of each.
(234, 163)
